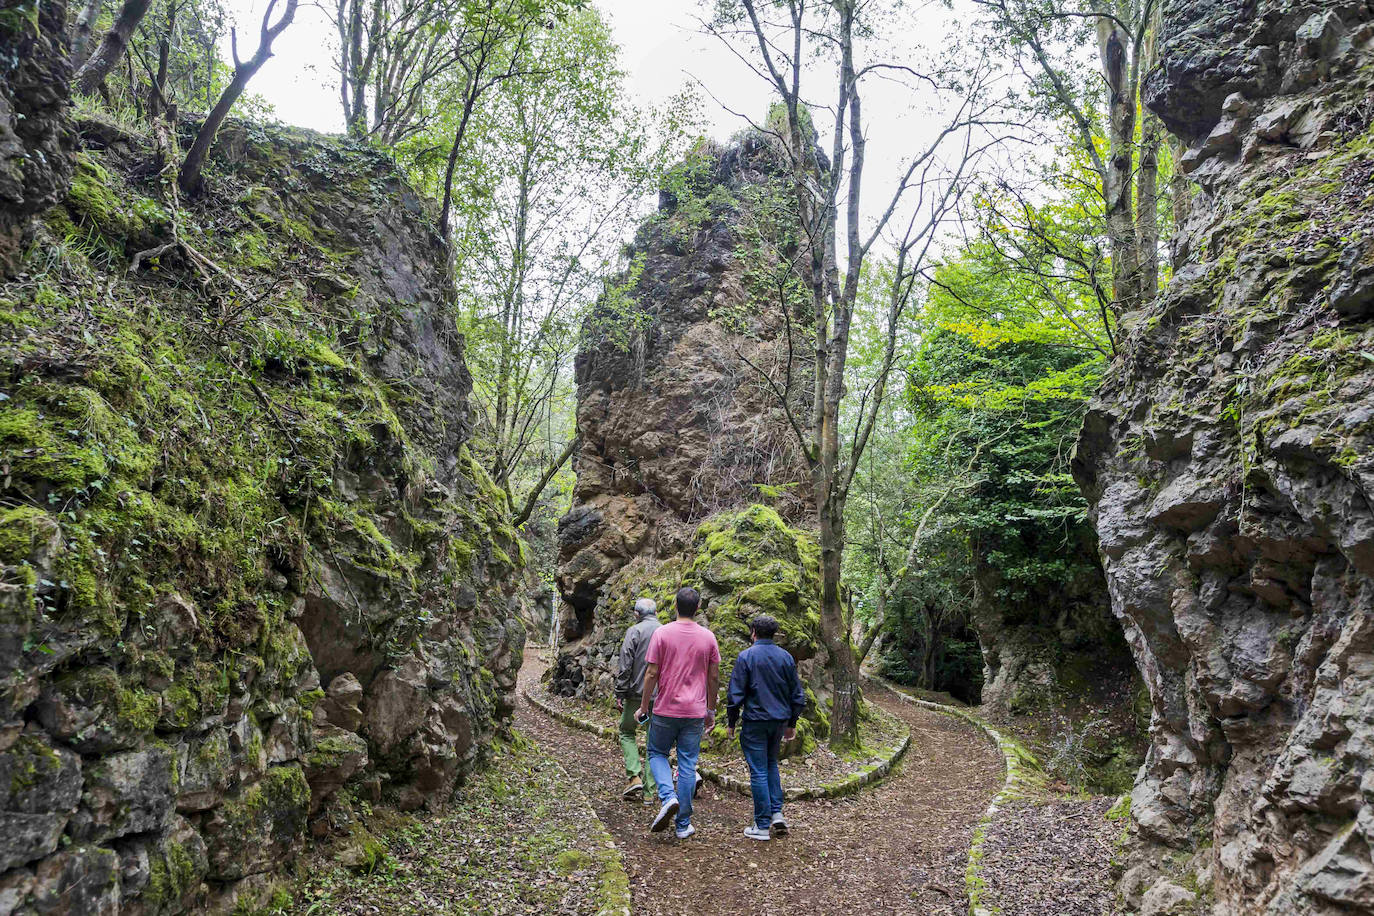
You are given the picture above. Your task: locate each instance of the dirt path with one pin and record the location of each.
(899, 848)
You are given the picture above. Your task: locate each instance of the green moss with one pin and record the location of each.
(180, 707)
(22, 530)
(330, 753)
(136, 709)
(171, 873)
(100, 204)
(571, 860)
(33, 762)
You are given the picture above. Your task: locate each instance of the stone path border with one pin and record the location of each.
(1024, 777)
(847, 786)
(613, 884)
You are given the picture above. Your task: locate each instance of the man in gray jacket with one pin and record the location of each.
(629, 688)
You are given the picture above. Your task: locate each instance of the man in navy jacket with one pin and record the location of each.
(767, 694)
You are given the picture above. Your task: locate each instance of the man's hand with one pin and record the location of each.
(620, 703)
(710, 722)
(789, 733)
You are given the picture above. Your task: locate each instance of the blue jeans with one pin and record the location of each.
(664, 733)
(761, 742)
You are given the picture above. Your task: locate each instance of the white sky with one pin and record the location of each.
(663, 50)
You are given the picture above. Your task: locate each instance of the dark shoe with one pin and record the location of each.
(635, 787)
(666, 815)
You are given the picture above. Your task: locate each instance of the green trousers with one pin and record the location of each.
(634, 766)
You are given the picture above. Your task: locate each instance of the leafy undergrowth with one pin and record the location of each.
(519, 838)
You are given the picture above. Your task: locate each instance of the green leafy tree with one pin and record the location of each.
(790, 43)
(557, 169)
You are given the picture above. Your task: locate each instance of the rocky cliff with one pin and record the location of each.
(1229, 461)
(679, 432)
(248, 568)
(36, 139)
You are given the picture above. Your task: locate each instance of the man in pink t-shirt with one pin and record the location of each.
(683, 683)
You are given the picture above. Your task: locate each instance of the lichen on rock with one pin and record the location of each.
(1227, 460)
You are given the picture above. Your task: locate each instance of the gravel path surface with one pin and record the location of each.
(1051, 859)
(898, 848)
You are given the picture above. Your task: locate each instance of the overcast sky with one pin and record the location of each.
(663, 50)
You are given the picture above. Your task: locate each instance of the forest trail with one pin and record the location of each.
(901, 847)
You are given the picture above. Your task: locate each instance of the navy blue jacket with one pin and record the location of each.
(764, 686)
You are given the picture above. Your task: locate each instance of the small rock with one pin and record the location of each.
(1167, 899)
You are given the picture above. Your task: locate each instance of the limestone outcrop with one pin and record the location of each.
(676, 424)
(246, 559)
(1229, 463)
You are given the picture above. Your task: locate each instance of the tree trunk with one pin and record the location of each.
(1147, 218)
(192, 166)
(1113, 41)
(112, 47)
(532, 498)
(844, 669)
(1181, 196)
(191, 178)
(85, 25)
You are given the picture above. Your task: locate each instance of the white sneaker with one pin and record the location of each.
(665, 815)
(755, 833)
(779, 824)
(696, 789)
(685, 832)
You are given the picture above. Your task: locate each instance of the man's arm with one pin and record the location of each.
(737, 691)
(624, 679)
(712, 692)
(650, 685)
(798, 704)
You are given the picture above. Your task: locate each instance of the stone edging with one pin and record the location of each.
(1022, 779)
(613, 881)
(847, 786)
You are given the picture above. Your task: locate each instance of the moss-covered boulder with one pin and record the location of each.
(744, 564)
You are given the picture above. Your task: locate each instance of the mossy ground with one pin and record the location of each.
(518, 839)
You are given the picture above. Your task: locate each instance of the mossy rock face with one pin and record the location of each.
(254, 832)
(751, 562)
(209, 512)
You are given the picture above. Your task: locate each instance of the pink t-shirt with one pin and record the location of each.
(683, 651)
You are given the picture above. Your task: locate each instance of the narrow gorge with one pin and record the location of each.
(292, 461)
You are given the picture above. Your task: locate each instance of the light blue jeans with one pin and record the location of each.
(665, 733)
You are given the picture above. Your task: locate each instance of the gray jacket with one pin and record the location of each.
(630, 681)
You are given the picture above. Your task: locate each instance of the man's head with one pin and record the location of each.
(763, 627)
(687, 601)
(644, 608)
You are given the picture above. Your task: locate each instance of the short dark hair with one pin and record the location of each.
(764, 627)
(688, 600)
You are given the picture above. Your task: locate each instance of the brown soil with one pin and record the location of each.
(900, 847)
(1051, 859)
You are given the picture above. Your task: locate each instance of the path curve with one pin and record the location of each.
(899, 847)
